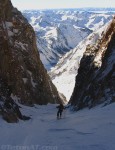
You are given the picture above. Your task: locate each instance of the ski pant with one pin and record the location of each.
(59, 114)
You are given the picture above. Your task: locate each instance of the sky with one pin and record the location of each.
(50, 4)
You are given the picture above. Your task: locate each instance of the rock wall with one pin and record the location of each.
(95, 82)
(22, 75)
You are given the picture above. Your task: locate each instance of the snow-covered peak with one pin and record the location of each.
(59, 31)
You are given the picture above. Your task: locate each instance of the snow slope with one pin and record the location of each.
(88, 129)
(59, 31)
(64, 73)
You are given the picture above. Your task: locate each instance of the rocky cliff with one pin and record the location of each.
(95, 82)
(22, 74)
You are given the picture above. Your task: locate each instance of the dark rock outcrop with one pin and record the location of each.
(10, 110)
(95, 82)
(20, 66)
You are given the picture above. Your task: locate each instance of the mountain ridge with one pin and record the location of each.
(95, 82)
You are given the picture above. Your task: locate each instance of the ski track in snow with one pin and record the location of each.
(86, 129)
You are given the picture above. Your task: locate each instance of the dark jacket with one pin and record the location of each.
(60, 107)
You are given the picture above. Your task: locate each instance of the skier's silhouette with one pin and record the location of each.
(60, 110)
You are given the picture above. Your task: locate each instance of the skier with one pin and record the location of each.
(60, 110)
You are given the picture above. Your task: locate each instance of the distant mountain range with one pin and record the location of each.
(59, 31)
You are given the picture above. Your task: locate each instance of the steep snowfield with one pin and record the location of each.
(59, 31)
(64, 73)
(88, 129)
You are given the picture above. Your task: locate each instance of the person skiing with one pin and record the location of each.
(60, 110)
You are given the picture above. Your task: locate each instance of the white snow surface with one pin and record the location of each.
(87, 129)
